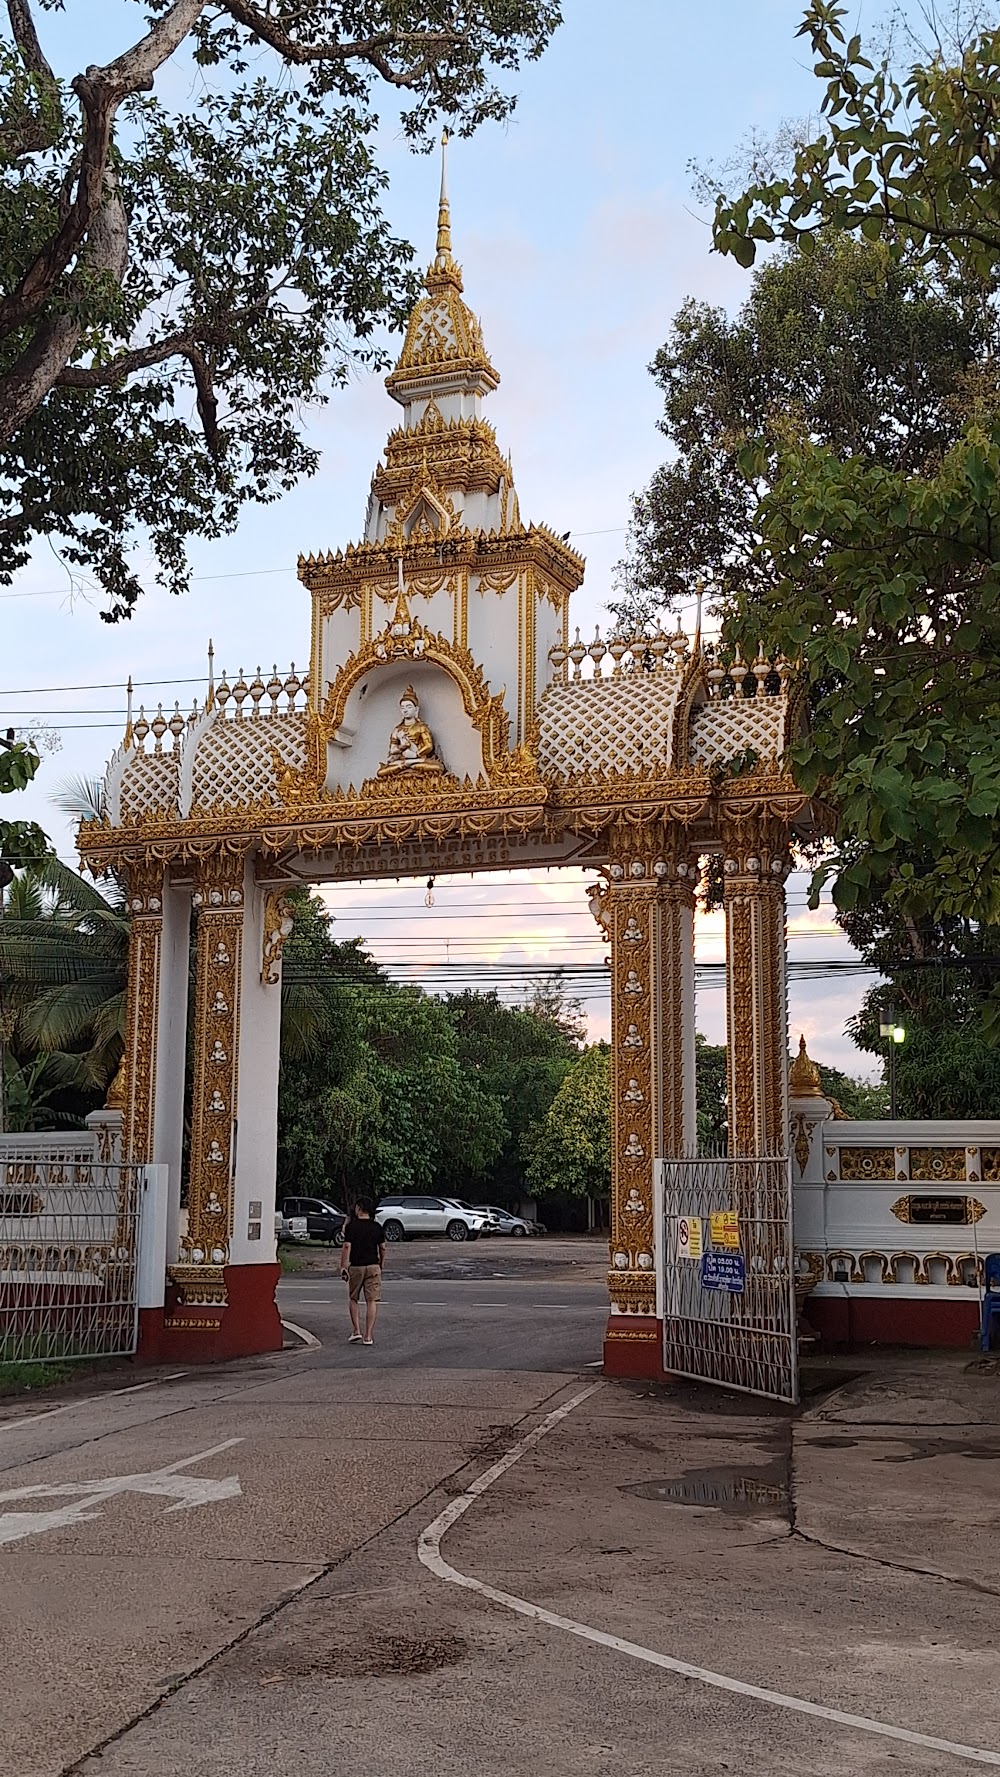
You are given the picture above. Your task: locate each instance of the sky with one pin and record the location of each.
(579, 237)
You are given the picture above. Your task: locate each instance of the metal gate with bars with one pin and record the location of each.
(69, 1252)
(728, 1275)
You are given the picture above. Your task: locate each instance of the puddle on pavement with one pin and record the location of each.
(763, 1494)
(917, 1448)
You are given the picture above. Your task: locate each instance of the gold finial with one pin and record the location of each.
(210, 699)
(118, 1089)
(803, 1075)
(444, 208)
(128, 717)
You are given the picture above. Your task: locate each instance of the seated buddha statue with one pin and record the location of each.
(411, 743)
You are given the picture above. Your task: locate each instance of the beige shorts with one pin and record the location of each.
(366, 1280)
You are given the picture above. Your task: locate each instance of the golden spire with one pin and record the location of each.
(803, 1075)
(444, 208)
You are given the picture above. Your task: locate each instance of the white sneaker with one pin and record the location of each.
(367, 1341)
(355, 1339)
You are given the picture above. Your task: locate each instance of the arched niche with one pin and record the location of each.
(371, 712)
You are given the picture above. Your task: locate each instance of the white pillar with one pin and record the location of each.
(171, 1049)
(266, 924)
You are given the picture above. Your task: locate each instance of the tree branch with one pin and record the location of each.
(208, 406)
(23, 30)
(34, 130)
(181, 345)
(39, 365)
(101, 92)
(364, 49)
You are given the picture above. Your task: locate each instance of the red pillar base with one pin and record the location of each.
(246, 1324)
(633, 1347)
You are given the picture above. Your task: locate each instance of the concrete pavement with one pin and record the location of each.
(846, 1559)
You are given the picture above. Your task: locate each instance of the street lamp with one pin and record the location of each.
(893, 1033)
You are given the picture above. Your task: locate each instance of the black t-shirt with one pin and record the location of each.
(364, 1239)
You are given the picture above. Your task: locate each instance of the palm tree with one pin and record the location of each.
(64, 960)
(29, 1088)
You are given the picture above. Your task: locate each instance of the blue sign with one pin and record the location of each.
(723, 1271)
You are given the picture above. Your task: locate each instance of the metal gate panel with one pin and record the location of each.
(69, 1247)
(737, 1338)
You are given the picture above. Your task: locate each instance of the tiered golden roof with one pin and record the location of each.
(443, 333)
(457, 453)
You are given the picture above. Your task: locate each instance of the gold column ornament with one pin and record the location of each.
(644, 905)
(755, 864)
(278, 924)
(144, 898)
(631, 911)
(677, 1130)
(218, 901)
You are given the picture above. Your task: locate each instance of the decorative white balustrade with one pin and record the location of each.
(238, 699)
(728, 675)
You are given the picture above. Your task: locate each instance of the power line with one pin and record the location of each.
(51, 592)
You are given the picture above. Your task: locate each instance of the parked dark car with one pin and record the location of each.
(323, 1220)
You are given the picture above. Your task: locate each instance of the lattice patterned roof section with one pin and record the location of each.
(235, 761)
(149, 781)
(726, 727)
(593, 726)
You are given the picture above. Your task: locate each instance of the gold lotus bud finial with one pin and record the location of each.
(118, 1089)
(444, 208)
(803, 1075)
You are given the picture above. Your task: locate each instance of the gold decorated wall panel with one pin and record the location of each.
(144, 886)
(219, 904)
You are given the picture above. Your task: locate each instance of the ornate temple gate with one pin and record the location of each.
(447, 724)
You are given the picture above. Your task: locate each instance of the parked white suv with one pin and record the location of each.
(402, 1216)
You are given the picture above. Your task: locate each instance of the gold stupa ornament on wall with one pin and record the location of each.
(803, 1075)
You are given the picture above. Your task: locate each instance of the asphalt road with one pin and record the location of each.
(463, 1551)
(496, 1305)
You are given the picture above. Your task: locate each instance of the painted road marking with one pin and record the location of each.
(87, 1401)
(429, 1552)
(186, 1491)
(308, 1339)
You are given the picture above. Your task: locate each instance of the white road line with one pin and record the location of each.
(308, 1339)
(87, 1401)
(429, 1552)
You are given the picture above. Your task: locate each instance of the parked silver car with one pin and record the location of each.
(410, 1214)
(503, 1222)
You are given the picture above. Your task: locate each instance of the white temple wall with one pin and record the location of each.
(171, 1050)
(341, 637)
(549, 633)
(253, 1237)
(494, 639)
(898, 1211)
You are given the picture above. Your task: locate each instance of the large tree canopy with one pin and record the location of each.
(178, 282)
(846, 349)
(882, 577)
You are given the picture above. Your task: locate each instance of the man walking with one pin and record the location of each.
(361, 1267)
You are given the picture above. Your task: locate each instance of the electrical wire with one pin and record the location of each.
(51, 592)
